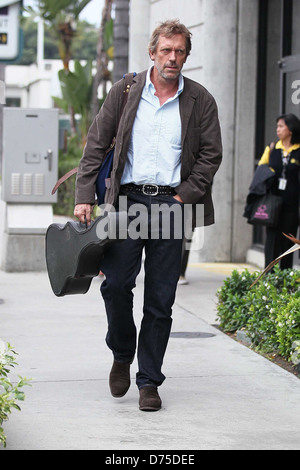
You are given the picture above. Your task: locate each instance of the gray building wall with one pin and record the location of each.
(223, 59)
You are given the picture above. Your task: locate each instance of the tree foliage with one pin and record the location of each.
(63, 20)
(52, 9)
(10, 393)
(63, 17)
(76, 90)
(84, 45)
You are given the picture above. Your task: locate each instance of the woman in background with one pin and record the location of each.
(284, 160)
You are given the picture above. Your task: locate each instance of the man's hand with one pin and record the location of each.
(178, 198)
(83, 212)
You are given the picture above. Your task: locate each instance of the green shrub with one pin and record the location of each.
(9, 393)
(269, 311)
(264, 303)
(233, 310)
(288, 327)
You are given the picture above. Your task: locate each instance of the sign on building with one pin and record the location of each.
(9, 30)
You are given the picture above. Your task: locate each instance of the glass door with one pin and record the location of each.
(290, 85)
(278, 74)
(289, 64)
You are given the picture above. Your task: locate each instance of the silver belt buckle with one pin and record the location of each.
(150, 194)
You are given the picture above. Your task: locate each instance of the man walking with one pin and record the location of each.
(168, 149)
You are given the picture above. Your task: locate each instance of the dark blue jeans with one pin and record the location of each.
(121, 265)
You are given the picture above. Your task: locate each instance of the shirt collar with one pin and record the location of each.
(150, 87)
(280, 145)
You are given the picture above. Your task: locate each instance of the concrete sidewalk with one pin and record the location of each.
(218, 394)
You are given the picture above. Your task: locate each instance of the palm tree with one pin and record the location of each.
(63, 17)
(76, 88)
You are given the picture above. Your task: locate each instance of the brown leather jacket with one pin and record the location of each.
(201, 144)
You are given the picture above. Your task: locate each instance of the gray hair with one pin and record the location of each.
(168, 29)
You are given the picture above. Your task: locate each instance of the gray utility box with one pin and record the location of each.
(30, 155)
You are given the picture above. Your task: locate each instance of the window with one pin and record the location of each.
(13, 102)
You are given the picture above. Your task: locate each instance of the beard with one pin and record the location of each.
(167, 74)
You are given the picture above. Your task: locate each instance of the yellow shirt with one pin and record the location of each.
(279, 145)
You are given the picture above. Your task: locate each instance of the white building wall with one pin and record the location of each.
(192, 17)
(34, 84)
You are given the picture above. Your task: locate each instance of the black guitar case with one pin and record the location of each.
(74, 251)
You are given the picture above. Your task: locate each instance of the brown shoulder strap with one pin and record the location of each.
(64, 178)
(272, 145)
(128, 82)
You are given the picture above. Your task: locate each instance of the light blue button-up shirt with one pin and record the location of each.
(155, 144)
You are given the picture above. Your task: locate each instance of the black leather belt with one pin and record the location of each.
(149, 189)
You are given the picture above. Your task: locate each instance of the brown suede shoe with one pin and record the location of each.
(149, 399)
(119, 378)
